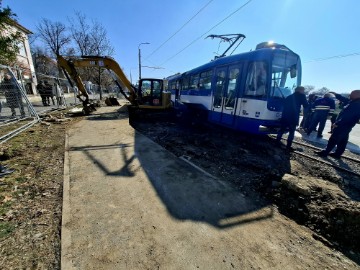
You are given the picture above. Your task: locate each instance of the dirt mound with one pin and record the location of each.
(323, 206)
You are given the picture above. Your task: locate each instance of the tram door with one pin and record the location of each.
(225, 94)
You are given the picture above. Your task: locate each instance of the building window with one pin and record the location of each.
(22, 51)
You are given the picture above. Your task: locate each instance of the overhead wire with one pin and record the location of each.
(177, 31)
(332, 57)
(191, 43)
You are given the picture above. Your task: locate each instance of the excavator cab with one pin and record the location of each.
(150, 92)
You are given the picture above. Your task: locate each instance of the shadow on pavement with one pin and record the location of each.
(123, 171)
(190, 194)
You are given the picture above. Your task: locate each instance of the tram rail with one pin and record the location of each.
(317, 148)
(354, 163)
(327, 163)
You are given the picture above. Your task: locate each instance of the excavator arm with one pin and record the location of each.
(71, 65)
(70, 71)
(154, 100)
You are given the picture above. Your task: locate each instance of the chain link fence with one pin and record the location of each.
(16, 111)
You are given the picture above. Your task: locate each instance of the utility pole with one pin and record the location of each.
(100, 90)
(140, 58)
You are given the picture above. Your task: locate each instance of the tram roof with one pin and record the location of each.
(259, 54)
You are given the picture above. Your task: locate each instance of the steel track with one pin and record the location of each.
(317, 148)
(327, 163)
(357, 161)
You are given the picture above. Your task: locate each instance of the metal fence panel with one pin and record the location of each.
(16, 111)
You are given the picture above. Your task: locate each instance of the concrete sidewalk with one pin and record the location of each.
(130, 204)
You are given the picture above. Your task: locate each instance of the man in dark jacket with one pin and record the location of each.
(13, 95)
(322, 107)
(308, 113)
(344, 123)
(42, 91)
(290, 115)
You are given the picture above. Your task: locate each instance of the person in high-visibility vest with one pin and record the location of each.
(322, 107)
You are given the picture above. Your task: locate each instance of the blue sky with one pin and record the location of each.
(315, 29)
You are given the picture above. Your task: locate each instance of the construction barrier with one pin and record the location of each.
(16, 111)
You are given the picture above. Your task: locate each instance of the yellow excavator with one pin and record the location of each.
(149, 94)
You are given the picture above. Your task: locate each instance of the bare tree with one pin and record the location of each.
(308, 88)
(80, 33)
(32, 39)
(43, 63)
(101, 43)
(321, 91)
(54, 35)
(91, 39)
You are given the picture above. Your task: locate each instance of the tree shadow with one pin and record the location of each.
(124, 169)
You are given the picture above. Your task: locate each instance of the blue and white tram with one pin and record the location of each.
(244, 91)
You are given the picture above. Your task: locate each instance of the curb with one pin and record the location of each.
(66, 212)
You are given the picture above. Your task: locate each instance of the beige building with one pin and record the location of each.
(24, 59)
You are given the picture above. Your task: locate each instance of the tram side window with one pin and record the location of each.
(177, 85)
(220, 83)
(231, 88)
(174, 85)
(177, 88)
(205, 80)
(185, 83)
(256, 79)
(194, 81)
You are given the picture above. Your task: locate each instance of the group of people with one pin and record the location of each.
(48, 92)
(316, 112)
(14, 99)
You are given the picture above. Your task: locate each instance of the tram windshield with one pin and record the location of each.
(286, 74)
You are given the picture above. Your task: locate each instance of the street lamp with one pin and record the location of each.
(140, 58)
